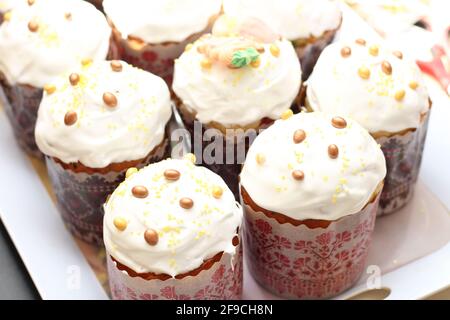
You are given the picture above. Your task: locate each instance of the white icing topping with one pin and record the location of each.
(294, 19)
(103, 135)
(331, 188)
(163, 20)
(390, 16)
(187, 237)
(238, 96)
(6, 5)
(58, 45)
(336, 87)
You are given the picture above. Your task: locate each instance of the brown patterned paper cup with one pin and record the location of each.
(155, 58)
(21, 106)
(309, 50)
(219, 278)
(82, 191)
(204, 138)
(403, 153)
(311, 259)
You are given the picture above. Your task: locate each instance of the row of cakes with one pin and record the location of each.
(314, 173)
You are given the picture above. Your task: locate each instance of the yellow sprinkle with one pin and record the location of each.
(188, 47)
(275, 50)
(260, 159)
(256, 63)
(287, 114)
(86, 62)
(334, 199)
(7, 16)
(190, 157)
(399, 95)
(49, 88)
(206, 64)
(130, 172)
(364, 73)
(120, 223)
(373, 50)
(217, 192)
(413, 85)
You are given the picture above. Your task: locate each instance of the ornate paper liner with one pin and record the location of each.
(403, 155)
(309, 53)
(21, 106)
(228, 172)
(80, 196)
(155, 58)
(223, 281)
(296, 262)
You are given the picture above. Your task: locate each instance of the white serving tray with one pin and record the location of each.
(411, 249)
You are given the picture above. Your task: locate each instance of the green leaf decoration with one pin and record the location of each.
(242, 58)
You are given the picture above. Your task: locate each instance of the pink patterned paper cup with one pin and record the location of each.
(21, 106)
(221, 281)
(81, 191)
(312, 259)
(155, 58)
(403, 153)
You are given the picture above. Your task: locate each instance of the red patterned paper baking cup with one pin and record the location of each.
(223, 281)
(297, 262)
(21, 106)
(80, 195)
(403, 155)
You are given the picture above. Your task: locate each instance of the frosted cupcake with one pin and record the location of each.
(309, 24)
(386, 94)
(151, 34)
(310, 187)
(93, 125)
(38, 41)
(230, 84)
(171, 232)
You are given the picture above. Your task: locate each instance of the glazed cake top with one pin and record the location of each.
(239, 74)
(378, 87)
(169, 217)
(43, 39)
(163, 20)
(104, 112)
(313, 166)
(6, 5)
(293, 19)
